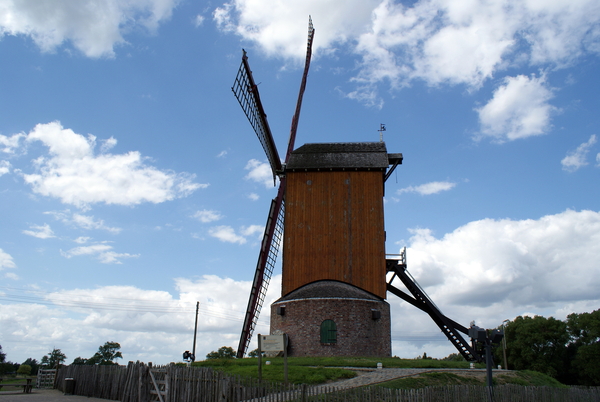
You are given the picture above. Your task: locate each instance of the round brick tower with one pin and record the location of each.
(331, 318)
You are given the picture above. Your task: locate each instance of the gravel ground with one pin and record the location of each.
(44, 395)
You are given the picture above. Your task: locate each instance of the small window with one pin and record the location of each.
(328, 332)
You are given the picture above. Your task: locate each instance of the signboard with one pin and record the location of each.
(272, 343)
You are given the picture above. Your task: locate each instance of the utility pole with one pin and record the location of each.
(195, 331)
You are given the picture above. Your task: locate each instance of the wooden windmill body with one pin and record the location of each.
(334, 270)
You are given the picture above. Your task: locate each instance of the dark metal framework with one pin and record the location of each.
(420, 300)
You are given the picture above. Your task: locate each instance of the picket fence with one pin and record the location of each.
(138, 382)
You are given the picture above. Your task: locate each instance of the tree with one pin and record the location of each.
(34, 365)
(584, 348)
(53, 359)
(2, 355)
(24, 369)
(80, 361)
(224, 352)
(538, 344)
(106, 354)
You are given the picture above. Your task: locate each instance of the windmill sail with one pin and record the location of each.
(274, 228)
(294, 128)
(246, 92)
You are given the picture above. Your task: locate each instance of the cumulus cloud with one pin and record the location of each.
(102, 251)
(4, 167)
(259, 172)
(206, 216)
(150, 325)
(428, 188)
(9, 145)
(435, 41)
(533, 263)
(41, 232)
(75, 175)
(94, 27)
(6, 260)
(576, 159)
(518, 109)
(226, 234)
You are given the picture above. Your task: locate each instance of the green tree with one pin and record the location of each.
(584, 330)
(53, 359)
(224, 352)
(2, 355)
(538, 344)
(34, 365)
(24, 369)
(80, 361)
(106, 354)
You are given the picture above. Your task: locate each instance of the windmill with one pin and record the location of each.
(335, 271)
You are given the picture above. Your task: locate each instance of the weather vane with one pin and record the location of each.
(381, 130)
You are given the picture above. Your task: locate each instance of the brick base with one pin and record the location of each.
(362, 321)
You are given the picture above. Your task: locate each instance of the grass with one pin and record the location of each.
(524, 378)
(320, 370)
(317, 370)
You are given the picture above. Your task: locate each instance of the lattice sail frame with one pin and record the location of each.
(247, 94)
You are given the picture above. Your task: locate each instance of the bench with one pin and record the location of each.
(26, 386)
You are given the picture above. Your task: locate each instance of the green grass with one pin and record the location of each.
(320, 370)
(317, 370)
(430, 380)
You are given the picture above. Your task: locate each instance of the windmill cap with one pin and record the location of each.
(341, 156)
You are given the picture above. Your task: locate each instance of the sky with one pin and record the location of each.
(132, 185)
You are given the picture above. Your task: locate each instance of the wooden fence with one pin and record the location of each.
(138, 382)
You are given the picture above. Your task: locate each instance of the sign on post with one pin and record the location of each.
(272, 343)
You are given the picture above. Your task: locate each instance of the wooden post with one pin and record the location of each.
(259, 360)
(285, 365)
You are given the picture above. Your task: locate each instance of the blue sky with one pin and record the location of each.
(133, 186)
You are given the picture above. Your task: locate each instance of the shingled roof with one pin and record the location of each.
(341, 155)
(328, 290)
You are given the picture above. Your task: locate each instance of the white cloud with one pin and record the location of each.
(150, 325)
(8, 145)
(93, 27)
(206, 216)
(41, 232)
(532, 263)
(76, 176)
(428, 188)
(226, 234)
(83, 221)
(253, 196)
(253, 230)
(102, 251)
(435, 41)
(260, 172)
(519, 109)
(198, 20)
(576, 159)
(6, 260)
(108, 144)
(4, 167)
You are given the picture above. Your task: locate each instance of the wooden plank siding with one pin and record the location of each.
(334, 229)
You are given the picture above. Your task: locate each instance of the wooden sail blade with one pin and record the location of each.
(267, 258)
(246, 92)
(294, 128)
